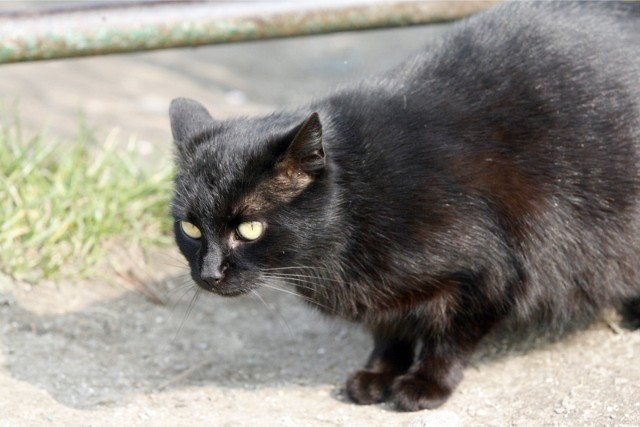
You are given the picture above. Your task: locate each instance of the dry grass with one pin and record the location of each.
(63, 204)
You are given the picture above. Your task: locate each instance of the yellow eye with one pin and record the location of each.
(190, 230)
(250, 230)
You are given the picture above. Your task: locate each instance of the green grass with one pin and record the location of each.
(65, 204)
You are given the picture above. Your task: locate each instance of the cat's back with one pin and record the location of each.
(535, 34)
(527, 43)
(525, 74)
(571, 57)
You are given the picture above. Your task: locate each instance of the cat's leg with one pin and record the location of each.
(439, 367)
(390, 358)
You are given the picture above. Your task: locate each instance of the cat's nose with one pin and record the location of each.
(213, 267)
(213, 279)
(213, 276)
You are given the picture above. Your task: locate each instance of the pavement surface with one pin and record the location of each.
(91, 353)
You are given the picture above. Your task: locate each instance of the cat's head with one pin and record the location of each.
(250, 195)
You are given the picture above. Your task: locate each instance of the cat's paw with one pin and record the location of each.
(631, 313)
(367, 387)
(410, 393)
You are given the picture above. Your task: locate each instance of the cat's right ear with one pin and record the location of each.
(304, 150)
(188, 117)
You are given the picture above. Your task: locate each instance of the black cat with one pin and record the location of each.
(494, 176)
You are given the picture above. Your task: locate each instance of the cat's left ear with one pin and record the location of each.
(188, 117)
(306, 150)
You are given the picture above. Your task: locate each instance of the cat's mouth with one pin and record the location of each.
(230, 292)
(223, 288)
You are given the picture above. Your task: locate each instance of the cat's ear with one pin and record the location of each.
(305, 150)
(188, 117)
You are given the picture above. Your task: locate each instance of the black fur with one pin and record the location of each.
(493, 176)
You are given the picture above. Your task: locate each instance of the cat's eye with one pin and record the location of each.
(250, 230)
(190, 230)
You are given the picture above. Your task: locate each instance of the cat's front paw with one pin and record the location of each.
(366, 386)
(410, 393)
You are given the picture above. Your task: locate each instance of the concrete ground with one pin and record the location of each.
(89, 353)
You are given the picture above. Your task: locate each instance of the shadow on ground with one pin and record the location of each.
(108, 349)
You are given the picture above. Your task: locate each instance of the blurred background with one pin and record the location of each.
(132, 91)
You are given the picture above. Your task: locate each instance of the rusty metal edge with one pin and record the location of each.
(160, 26)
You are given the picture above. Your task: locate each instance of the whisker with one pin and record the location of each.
(286, 291)
(186, 289)
(192, 304)
(186, 284)
(297, 267)
(273, 311)
(284, 278)
(170, 258)
(319, 278)
(311, 301)
(176, 264)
